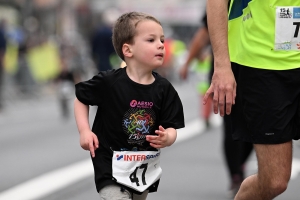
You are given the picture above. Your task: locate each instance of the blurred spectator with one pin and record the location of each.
(101, 41)
(65, 81)
(23, 77)
(174, 51)
(199, 42)
(2, 53)
(167, 66)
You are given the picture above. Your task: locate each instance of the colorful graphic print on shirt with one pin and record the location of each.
(138, 121)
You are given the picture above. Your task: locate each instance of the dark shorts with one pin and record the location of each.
(267, 109)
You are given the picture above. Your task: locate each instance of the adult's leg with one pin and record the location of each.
(274, 171)
(236, 154)
(231, 149)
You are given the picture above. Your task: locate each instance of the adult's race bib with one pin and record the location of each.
(287, 33)
(136, 169)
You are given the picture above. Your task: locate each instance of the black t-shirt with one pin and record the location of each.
(122, 104)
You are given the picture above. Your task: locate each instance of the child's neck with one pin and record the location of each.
(140, 76)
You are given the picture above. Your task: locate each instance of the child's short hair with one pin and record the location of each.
(124, 29)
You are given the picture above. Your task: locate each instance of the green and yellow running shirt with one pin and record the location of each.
(265, 34)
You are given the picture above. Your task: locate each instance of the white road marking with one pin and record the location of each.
(49, 182)
(55, 180)
(196, 127)
(190, 130)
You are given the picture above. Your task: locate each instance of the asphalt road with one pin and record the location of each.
(35, 142)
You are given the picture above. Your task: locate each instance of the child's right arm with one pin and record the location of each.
(88, 140)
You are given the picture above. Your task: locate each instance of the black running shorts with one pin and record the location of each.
(267, 109)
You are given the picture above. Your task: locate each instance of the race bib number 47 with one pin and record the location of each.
(287, 28)
(136, 169)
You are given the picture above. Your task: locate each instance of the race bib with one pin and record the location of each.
(287, 34)
(136, 169)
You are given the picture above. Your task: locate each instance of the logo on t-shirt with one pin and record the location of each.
(141, 104)
(296, 13)
(136, 157)
(137, 123)
(285, 13)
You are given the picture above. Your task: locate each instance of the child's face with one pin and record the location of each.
(148, 47)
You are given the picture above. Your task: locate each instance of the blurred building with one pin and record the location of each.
(182, 16)
(168, 11)
(68, 18)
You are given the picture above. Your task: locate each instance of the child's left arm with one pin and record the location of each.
(164, 138)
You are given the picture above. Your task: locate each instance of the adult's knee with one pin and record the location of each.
(276, 187)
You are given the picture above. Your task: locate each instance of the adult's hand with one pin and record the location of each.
(223, 90)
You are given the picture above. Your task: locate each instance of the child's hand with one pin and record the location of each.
(159, 141)
(89, 142)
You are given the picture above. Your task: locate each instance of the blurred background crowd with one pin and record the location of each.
(48, 45)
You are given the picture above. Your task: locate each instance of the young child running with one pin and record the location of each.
(138, 112)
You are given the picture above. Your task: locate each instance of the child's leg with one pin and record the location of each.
(115, 192)
(112, 192)
(141, 197)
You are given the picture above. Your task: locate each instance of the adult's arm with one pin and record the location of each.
(199, 42)
(223, 85)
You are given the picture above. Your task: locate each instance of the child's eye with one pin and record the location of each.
(162, 41)
(151, 40)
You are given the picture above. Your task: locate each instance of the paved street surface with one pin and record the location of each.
(35, 141)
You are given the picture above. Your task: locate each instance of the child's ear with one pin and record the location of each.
(126, 50)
